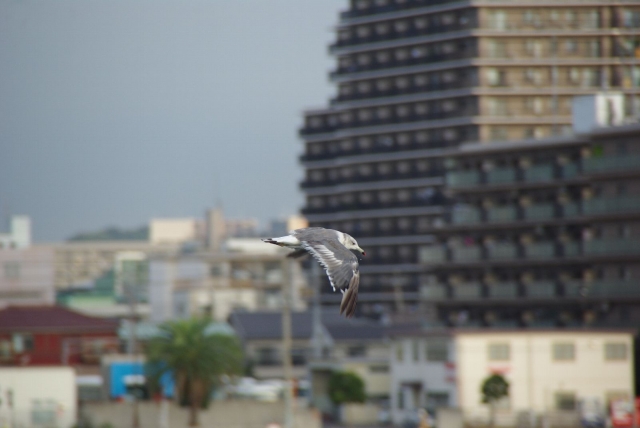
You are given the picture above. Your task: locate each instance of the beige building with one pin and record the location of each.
(548, 371)
(27, 276)
(80, 263)
(174, 230)
(249, 275)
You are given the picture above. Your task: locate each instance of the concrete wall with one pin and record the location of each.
(46, 392)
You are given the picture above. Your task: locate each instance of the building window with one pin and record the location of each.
(357, 351)
(495, 77)
(416, 350)
(267, 356)
(298, 357)
(12, 270)
(437, 350)
(435, 400)
(499, 352)
(565, 400)
(564, 352)
(401, 399)
(616, 351)
(44, 412)
(571, 46)
(399, 351)
(499, 133)
(22, 342)
(379, 369)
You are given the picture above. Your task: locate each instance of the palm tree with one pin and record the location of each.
(196, 358)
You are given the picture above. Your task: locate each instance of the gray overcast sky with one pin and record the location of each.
(113, 112)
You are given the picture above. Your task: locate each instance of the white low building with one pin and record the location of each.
(38, 396)
(548, 371)
(422, 374)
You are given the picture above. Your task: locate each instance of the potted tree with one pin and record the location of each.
(494, 388)
(346, 390)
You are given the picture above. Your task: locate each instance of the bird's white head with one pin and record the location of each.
(351, 244)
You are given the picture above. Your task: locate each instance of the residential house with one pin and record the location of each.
(53, 335)
(348, 345)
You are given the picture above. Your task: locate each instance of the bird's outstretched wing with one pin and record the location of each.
(342, 269)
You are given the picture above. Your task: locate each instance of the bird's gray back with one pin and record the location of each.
(319, 234)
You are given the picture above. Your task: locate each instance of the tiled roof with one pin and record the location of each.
(31, 318)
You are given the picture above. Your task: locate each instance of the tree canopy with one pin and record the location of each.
(494, 388)
(196, 358)
(346, 387)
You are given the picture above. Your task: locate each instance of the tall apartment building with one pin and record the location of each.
(418, 78)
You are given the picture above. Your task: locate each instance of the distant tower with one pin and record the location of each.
(216, 229)
(21, 231)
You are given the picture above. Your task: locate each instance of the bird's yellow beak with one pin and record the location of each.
(361, 251)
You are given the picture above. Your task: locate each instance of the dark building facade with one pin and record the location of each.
(415, 80)
(540, 234)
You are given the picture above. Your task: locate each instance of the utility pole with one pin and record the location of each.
(133, 339)
(317, 337)
(554, 85)
(287, 279)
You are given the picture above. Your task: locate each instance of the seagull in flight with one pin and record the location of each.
(332, 249)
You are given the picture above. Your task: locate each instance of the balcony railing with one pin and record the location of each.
(391, 7)
(539, 173)
(611, 289)
(467, 291)
(601, 247)
(467, 254)
(504, 290)
(540, 250)
(360, 178)
(377, 149)
(502, 251)
(433, 254)
(540, 212)
(571, 249)
(467, 52)
(501, 176)
(540, 289)
(463, 110)
(413, 89)
(535, 174)
(621, 204)
(433, 291)
(463, 178)
(502, 214)
(611, 164)
(548, 290)
(466, 215)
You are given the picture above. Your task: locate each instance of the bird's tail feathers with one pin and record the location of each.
(270, 241)
(349, 300)
(283, 241)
